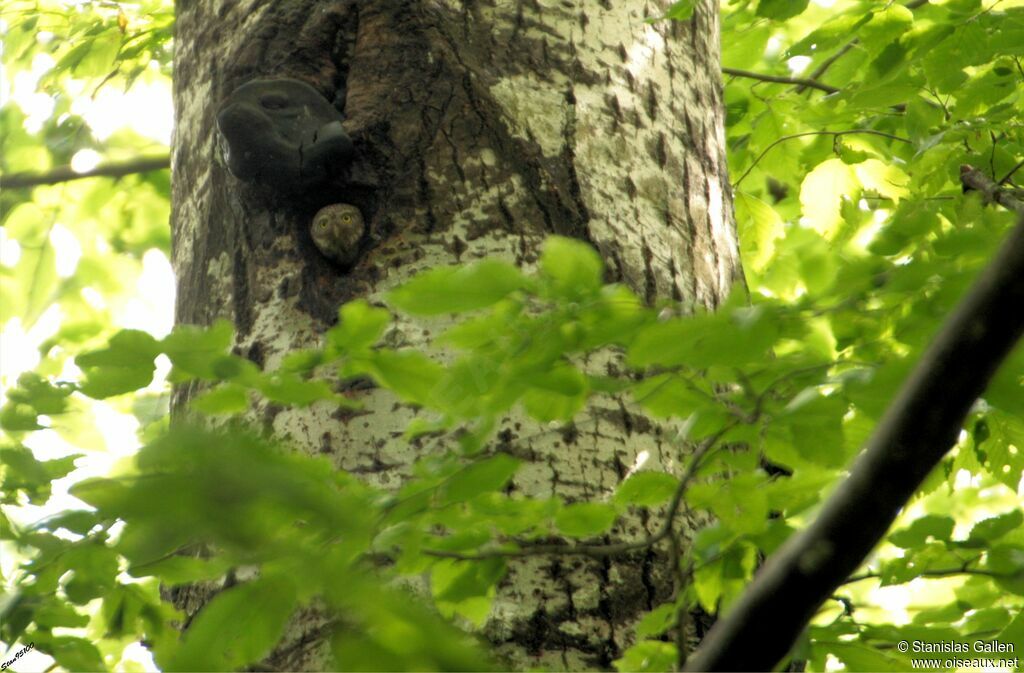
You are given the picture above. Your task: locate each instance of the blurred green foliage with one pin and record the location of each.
(857, 240)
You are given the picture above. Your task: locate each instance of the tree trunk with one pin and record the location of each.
(479, 128)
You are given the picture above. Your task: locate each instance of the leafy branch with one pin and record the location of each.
(842, 51)
(917, 430)
(604, 550)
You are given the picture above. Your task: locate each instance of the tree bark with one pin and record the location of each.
(479, 128)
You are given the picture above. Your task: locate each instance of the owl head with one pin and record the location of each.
(336, 231)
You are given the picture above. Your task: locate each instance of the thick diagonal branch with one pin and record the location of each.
(918, 428)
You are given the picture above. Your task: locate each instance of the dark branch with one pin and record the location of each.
(802, 81)
(116, 169)
(827, 63)
(972, 178)
(918, 428)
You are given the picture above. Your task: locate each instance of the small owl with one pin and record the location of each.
(337, 230)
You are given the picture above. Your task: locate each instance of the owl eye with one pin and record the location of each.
(323, 224)
(346, 218)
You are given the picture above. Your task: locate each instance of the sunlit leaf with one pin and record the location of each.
(573, 268)
(647, 489)
(822, 191)
(458, 289)
(648, 655)
(125, 365)
(238, 627)
(585, 519)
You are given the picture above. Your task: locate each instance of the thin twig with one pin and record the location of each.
(945, 572)
(826, 64)
(778, 79)
(1006, 178)
(834, 134)
(682, 614)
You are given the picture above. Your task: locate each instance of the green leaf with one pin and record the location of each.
(54, 613)
(647, 489)
(15, 417)
(125, 365)
(95, 568)
(681, 10)
(585, 519)
(71, 653)
(572, 268)
(822, 192)
(998, 454)
(726, 338)
(122, 611)
(741, 503)
(1007, 561)
(648, 655)
(482, 476)
(292, 389)
(457, 289)
(886, 25)
(657, 621)
(40, 394)
(918, 533)
(224, 399)
(77, 521)
(99, 59)
(668, 396)
(302, 361)
(38, 267)
(833, 32)
(720, 579)
(759, 227)
(859, 657)
(921, 118)
(359, 327)
(396, 632)
(455, 581)
(781, 10)
(180, 569)
(409, 374)
(23, 472)
(884, 179)
(989, 530)
(238, 627)
(815, 424)
(1014, 632)
(198, 351)
(557, 394)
